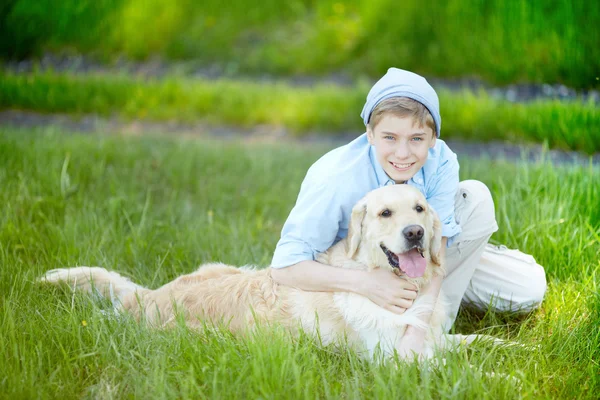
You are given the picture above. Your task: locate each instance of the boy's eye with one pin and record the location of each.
(418, 139)
(388, 137)
(386, 213)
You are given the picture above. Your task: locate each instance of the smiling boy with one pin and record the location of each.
(402, 146)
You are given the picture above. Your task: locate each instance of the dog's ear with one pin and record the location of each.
(435, 242)
(355, 228)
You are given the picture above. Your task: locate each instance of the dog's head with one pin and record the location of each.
(395, 228)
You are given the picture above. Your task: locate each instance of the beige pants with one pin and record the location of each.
(482, 274)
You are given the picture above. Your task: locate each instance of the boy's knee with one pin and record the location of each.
(474, 210)
(476, 193)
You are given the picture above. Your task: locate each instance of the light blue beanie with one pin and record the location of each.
(400, 83)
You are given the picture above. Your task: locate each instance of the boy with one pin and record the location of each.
(401, 146)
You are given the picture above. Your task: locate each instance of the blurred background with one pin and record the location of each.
(535, 41)
(483, 55)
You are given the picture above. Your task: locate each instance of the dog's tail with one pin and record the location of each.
(96, 281)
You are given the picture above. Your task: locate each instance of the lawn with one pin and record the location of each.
(156, 207)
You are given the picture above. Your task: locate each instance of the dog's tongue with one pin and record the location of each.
(412, 263)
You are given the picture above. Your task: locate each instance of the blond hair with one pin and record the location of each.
(402, 107)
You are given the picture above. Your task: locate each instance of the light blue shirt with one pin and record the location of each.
(339, 179)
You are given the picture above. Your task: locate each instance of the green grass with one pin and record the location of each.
(156, 207)
(321, 108)
(501, 42)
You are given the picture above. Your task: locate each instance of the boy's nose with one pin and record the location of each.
(402, 152)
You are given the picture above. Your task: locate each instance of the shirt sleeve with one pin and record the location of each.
(311, 227)
(442, 196)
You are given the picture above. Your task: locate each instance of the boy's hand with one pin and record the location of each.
(388, 290)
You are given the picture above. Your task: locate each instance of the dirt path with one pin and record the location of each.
(95, 124)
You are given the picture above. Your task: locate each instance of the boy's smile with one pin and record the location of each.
(401, 145)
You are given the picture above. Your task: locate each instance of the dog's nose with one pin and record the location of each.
(412, 233)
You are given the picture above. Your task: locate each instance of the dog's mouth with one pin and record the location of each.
(412, 263)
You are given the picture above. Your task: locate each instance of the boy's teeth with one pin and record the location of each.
(402, 165)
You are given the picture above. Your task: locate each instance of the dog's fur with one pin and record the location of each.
(241, 297)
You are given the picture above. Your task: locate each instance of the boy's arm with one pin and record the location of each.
(311, 226)
(382, 287)
(313, 276)
(414, 338)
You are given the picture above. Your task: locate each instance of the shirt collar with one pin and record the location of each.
(417, 179)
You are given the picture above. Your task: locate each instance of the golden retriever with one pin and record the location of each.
(392, 228)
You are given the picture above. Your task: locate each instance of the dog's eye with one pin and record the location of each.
(419, 209)
(386, 213)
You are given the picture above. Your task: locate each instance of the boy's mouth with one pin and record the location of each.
(401, 167)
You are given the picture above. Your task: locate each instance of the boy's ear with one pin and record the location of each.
(355, 229)
(433, 140)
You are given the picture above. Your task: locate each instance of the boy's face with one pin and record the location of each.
(401, 146)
